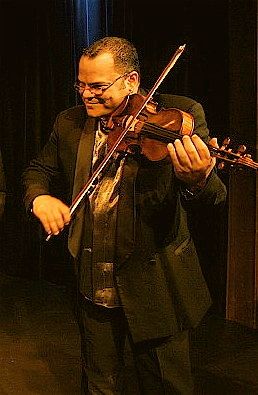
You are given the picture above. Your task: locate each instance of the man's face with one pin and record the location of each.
(97, 74)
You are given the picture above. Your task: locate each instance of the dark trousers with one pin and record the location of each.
(113, 364)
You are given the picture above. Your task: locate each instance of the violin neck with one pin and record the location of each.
(166, 136)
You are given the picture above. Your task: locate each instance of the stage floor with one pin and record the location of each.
(40, 347)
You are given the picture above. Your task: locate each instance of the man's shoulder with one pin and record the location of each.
(176, 101)
(74, 114)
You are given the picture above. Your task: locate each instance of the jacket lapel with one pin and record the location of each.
(82, 171)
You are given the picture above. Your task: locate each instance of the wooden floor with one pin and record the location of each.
(225, 358)
(40, 348)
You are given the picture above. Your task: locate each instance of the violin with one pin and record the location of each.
(153, 129)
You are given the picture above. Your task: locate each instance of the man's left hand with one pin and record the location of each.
(191, 159)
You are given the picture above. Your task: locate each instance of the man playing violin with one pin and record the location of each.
(140, 286)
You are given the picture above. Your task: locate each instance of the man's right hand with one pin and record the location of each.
(52, 213)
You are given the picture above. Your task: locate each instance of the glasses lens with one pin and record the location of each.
(94, 90)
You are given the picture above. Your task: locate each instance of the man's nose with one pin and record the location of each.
(87, 94)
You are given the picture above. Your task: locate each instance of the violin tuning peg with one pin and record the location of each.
(225, 143)
(248, 158)
(241, 149)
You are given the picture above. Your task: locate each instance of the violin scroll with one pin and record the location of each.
(233, 158)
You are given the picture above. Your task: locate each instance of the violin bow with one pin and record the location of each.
(92, 182)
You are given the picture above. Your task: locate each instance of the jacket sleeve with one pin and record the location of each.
(200, 124)
(214, 193)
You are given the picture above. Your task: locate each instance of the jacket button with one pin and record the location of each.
(88, 249)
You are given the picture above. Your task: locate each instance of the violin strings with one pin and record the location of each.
(163, 133)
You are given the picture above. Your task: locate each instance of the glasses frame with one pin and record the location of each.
(94, 91)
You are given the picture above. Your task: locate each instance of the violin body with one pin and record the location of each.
(150, 132)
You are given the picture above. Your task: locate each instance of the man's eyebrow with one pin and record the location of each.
(93, 83)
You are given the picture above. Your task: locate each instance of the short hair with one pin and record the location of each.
(124, 53)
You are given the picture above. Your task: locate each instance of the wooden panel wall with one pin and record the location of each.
(242, 278)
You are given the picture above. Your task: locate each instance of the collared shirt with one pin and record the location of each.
(103, 203)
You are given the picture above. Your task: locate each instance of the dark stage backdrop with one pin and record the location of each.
(40, 45)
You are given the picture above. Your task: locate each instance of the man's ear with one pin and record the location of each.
(133, 80)
(133, 77)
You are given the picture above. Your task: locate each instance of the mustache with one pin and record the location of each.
(96, 100)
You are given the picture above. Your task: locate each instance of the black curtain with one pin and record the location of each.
(37, 68)
(41, 42)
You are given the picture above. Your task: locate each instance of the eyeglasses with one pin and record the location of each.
(95, 89)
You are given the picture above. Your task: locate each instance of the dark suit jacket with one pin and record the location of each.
(158, 275)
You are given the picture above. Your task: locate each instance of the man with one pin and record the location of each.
(140, 286)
